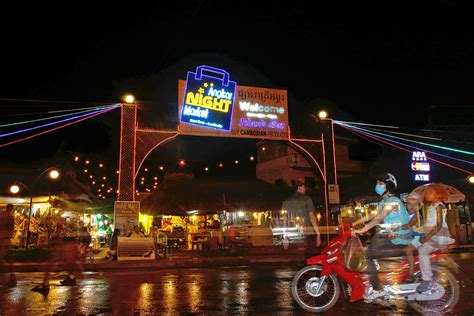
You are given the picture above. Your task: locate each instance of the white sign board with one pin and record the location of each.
(126, 215)
(136, 248)
(333, 192)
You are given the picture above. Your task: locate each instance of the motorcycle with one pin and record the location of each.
(318, 286)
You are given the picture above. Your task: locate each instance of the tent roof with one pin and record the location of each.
(178, 195)
(100, 207)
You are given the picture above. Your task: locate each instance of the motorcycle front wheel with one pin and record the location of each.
(310, 294)
(450, 298)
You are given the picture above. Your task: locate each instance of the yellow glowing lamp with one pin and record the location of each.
(470, 179)
(54, 174)
(129, 98)
(323, 115)
(14, 189)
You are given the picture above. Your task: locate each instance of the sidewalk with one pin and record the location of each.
(269, 256)
(176, 260)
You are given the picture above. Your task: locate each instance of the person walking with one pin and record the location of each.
(84, 242)
(22, 231)
(300, 208)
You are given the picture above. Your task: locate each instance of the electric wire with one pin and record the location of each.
(57, 127)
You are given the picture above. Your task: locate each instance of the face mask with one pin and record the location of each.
(380, 189)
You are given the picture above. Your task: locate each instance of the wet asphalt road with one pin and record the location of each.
(235, 291)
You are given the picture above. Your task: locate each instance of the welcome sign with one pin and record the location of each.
(209, 98)
(256, 112)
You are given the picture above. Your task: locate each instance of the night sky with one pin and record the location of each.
(392, 63)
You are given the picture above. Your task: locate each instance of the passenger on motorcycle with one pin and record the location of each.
(390, 211)
(436, 237)
(414, 202)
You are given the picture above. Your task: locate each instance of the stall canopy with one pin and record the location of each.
(84, 205)
(179, 195)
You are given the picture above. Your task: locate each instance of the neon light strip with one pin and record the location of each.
(420, 136)
(422, 149)
(307, 140)
(58, 127)
(162, 142)
(119, 197)
(404, 149)
(326, 202)
(49, 101)
(421, 143)
(334, 151)
(405, 134)
(418, 148)
(120, 157)
(366, 124)
(323, 175)
(135, 126)
(154, 131)
(49, 124)
(406, 128)
(58, 111)
(53, 117)
(389, 140)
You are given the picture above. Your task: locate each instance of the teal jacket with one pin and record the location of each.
(399, 216)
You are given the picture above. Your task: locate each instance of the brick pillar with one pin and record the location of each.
(128, 124)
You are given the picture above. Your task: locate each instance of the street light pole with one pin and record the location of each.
(329, 158)
(54, 174)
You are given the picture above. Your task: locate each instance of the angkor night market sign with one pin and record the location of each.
(209, 110)
(209, 98)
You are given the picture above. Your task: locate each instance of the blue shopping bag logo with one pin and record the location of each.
(209, 98)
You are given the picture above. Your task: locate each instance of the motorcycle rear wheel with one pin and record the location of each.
(449, 299)
(304, 289)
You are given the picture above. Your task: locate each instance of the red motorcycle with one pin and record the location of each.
(317, 287)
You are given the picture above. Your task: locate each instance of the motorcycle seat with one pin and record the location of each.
(390, 253)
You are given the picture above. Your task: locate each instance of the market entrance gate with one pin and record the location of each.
(210, 104)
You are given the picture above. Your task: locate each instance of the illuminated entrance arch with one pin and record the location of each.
(137, 143)
(211, 105)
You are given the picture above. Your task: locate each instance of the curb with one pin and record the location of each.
(156, 264)
(189, 262)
